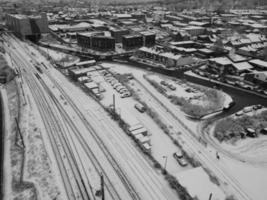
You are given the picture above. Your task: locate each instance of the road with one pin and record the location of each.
(165, 111)
(82, 134)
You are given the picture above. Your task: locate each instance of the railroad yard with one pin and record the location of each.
(139, 131)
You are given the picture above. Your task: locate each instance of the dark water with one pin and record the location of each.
(241, 98)
(1, 151)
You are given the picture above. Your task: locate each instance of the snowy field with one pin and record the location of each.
(198, 184)
(252, 177)
(61, 58)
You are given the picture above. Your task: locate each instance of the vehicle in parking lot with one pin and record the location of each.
(247, 109)
(126, 94)
(263, 131)
(163, 83)
(172, 87)
(178, 154)
(182, 161)
(179, 157)
(256, 107)
(240, 113)
(117, 85)
(251, 132)
(141, 108)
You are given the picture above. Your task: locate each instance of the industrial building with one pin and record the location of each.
(118, 33)
(30, 27)
(84, 39)
(132, 41)
(103, 43)
(166, 58)
(149, 38)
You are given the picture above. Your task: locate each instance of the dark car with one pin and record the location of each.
(263, 131)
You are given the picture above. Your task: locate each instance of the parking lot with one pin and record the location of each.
(162, 148)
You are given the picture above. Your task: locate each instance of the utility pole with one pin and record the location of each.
(114, 104)
(210, 196)
(102, 187)
(20, 135)
(165, 163)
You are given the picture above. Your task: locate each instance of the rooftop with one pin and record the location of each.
(259, 62)
(221, 60)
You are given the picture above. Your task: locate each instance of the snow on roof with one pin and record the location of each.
(170, 55)
(131, 36)
(196, 23)
(122, 15)
(236, 57)
(204, 50)
(149, 50)
(261, 72)
(91, 85)
(259, 62)
(146, 33)
(242, 66)
(197, 183)
(85, 62)
(193, 28)
(81, 71)
(221, 60)
(83, 78)
(182, 42)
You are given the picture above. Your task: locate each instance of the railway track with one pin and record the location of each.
(101, 144)
(53, 129)
(123, 177)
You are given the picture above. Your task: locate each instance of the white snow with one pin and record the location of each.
(198, 184)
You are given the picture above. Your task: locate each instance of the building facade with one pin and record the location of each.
(27, 26)
(132, 41)
(118, 33)
(149, 38)
(103, 43)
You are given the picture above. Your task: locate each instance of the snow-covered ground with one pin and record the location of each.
(161, 145)
(61, 58)
(198, 184)
(193, 93)
(251, 177)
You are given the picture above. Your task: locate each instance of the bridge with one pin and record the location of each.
(98, 56)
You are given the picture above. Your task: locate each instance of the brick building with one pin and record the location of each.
(103, 43)
(149, 38)
(132, 41)
(84, 39)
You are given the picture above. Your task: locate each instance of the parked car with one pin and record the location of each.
(239, 113)
(117, 85)
(163, 83)
(178, 154)
(251, 132)
(172, 87)
(263, 131)
(182, 161)
(247, 109)
(180, 158)
(140, 107)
